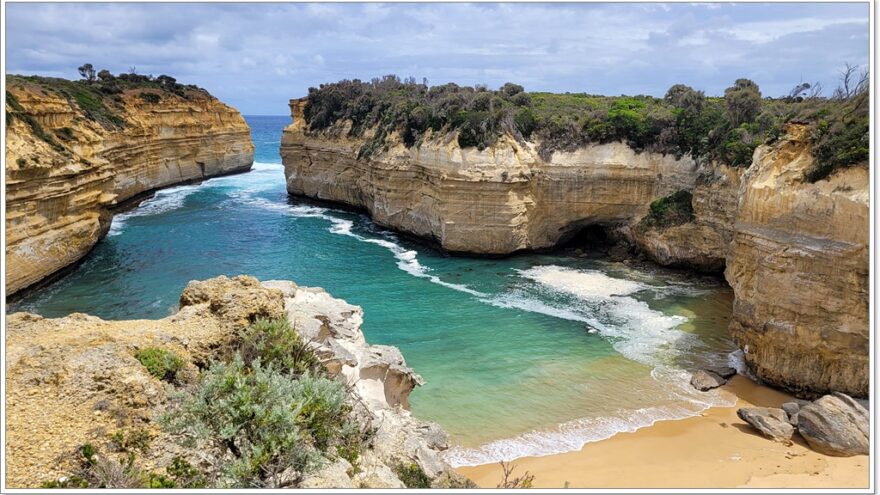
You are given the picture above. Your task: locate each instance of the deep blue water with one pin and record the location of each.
(527, 355)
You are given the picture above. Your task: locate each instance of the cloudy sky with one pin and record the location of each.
(257, 56)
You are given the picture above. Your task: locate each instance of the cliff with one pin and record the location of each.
(795, 253)
(70, 159)
(798, 264)
(500, 200)
(76, 380)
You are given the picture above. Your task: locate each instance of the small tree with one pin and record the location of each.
(105, 75)
(87, 71)
(685, 97)
(743, 102)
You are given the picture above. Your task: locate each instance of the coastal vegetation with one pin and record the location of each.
(671, 210)
(685, 121)
(99, 94)
(264, 418)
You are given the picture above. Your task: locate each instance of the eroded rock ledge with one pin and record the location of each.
(795, 253)
(59, 198)
(74, 380)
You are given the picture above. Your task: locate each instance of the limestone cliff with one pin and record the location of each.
(65, 171)
(496, 201)
(76, 380)
(795, 253)
(798, 264)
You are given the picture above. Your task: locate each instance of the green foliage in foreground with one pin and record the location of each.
(273, 416)
(99, 470)
(685, 122)
(675, 209)
(412, 475)
(160, 363)
(271, 411)
(276, 343)
(274, 427)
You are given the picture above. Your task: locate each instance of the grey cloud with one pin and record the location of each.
(256, 56)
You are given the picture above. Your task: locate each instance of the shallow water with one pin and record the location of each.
(528, 355)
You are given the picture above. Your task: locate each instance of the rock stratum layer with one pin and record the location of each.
(59, 197)
(499, 200)
(74, 380)
(795, 253)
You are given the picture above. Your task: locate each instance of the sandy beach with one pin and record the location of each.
(714, 450)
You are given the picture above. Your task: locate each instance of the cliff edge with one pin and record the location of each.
(73, 153)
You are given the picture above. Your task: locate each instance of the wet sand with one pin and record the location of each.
(714, 450)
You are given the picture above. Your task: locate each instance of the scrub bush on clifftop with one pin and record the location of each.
(685, 122)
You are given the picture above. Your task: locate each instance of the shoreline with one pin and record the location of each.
(713, 450)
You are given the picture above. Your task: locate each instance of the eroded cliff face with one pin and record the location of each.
(703, 243)
(795, 253)
(60, 190)
(75, 380)
(499, 200)
(798, 263)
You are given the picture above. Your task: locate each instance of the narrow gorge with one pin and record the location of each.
(795, 252)
(75, 153)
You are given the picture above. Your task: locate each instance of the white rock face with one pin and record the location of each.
(379, 377)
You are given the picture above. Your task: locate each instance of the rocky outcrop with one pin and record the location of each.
(703, 243)
(835, 425)
(66, 172)
(75, 380)
(711, 377)
(499, 200)
(703, 380)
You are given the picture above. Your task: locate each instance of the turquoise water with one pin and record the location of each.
(527, 355)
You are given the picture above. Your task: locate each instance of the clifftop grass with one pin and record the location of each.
(684, 122)
(100, 99)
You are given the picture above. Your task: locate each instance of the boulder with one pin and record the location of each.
(791, 410)
(770, 421)
(703, 380)
(835, 425)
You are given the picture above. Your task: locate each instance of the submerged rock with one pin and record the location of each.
(770, 421)
(835, 425)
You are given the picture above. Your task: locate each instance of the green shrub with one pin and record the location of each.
(160, 363)
(137, 440)
(675, 209)
(276, 343)
(185, 475)
(412, 475)
(264, 421)
(152, 98)
(99, 471)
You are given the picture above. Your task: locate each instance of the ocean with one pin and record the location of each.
(532, 354)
